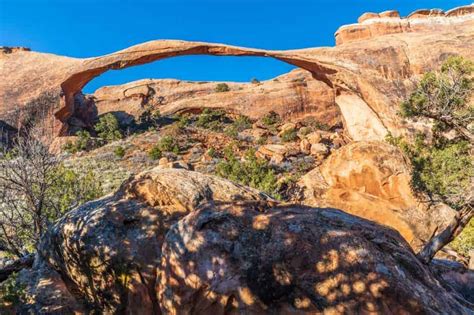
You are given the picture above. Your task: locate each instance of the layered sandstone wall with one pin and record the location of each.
(371, 25)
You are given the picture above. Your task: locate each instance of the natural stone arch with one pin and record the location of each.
(161, 49)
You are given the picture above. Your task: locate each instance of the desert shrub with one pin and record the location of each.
(315, 124)
(444, 97)
(253, 171)
(289, 135)
(108, 128)
(150, 117)
(183, 120)
(242, 122)
(270, 119)
(155, 153)
(222, 87)
(255, 81)
(212, 153)
(119, 152)
(168, 144)
(261, 140)
(211, 119)
(305, 130)
(465, 241)
(231, 131)
(72, 189)
(11, 292)
(84, 142)
(443, 167)
(29, 204)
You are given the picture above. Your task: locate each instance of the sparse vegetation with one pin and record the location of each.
(271, 119)
(211, 119)
(255, 81)
(289, 135)
(119, 152)
(315, 124)
(108, 128)
(155, 153)
(252, 171)
(84, 142)
(242, 122)
(35, 189)
(11, 292)
(222, 87)
(168, 144)
(443, 167)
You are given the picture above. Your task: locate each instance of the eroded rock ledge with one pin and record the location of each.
(371, 25)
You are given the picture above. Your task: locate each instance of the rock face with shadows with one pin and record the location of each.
(295, 95)
(372, 180)
(105, 254)
(179, 242)
(364, 77)
(230, 259)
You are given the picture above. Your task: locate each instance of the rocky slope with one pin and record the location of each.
(176, 241)
(365, 76)
(180, 242)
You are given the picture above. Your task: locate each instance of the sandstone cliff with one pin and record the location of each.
(364, 76)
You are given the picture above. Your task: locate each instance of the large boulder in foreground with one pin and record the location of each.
(179, 242)
(371, 179)
(107, 251)
(231, 259)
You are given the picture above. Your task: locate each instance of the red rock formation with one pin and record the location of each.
(371, 25)
(180, 242)
(376, 66)
(372, 180)
(294, 95)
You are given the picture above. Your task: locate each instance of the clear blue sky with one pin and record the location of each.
(89, 28)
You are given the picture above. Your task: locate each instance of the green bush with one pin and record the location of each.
(119, 152)
(168, 144)
(108, 128)
(155, 153)
(211, 119)
(232, 132)
(212, 153)
(289, 135)
(242, 122)
(222, 87)
(11, 292)
(465, 241)
(270, 119)
(315, 124)
(184, 120)
(253, 171)
(84, 142)
(72, 189)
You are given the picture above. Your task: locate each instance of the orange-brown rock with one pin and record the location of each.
(232, 259)
(371, 25)
(105, 253)
(178, 242)
(372, 180)
(295, 95)
(364, 78)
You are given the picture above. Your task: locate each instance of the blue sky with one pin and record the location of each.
(89, 28)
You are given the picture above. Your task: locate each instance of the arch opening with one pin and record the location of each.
(157, 50)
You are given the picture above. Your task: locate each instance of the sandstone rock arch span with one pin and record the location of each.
(157, 50)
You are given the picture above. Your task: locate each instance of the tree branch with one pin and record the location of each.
(437, 242)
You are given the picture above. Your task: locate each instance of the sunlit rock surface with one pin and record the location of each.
(373, 73)
(372, 180)
(180, 242)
